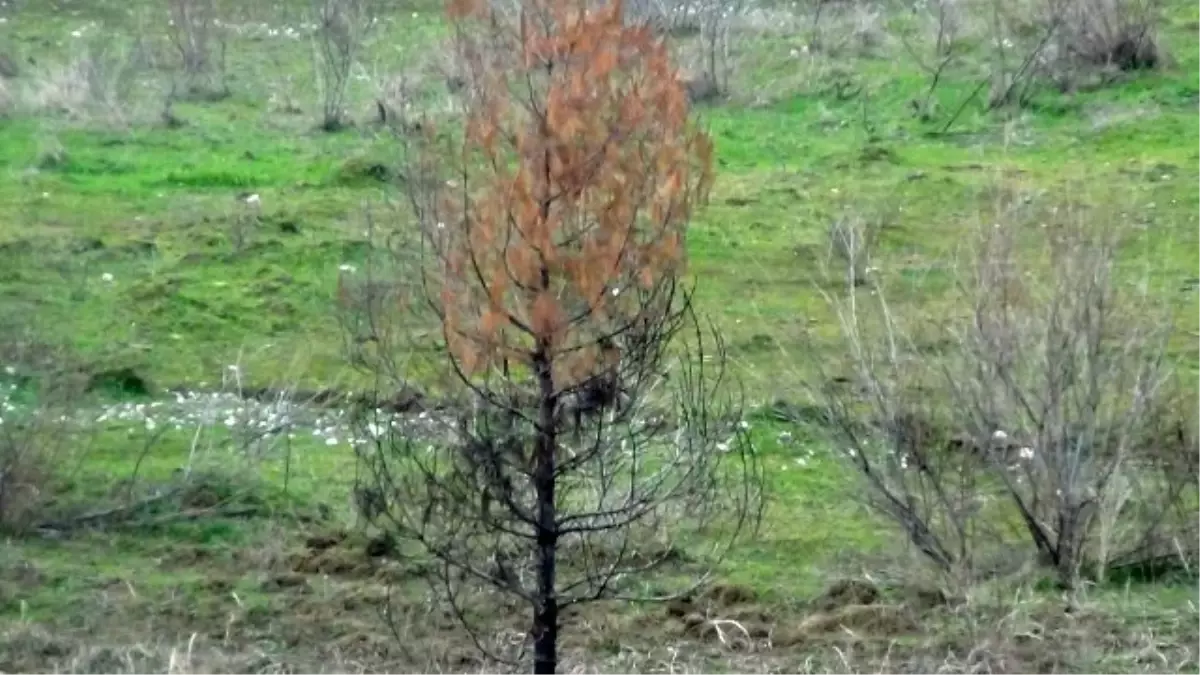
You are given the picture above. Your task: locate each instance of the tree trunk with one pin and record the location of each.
(545, 618)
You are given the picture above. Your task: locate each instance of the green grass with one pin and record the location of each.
(115, 243)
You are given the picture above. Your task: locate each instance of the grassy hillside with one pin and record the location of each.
(127, 246)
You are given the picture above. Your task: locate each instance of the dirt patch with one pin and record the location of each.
(921, 599)
(737, 635)
(333, 553)
(284, 580)
(860, 620)
(718, 596)
(846, 592)
(729, 595)
(324, 540)
(334, 561)
(183, 555)
(725, 614)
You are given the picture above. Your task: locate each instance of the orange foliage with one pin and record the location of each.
(584, 171)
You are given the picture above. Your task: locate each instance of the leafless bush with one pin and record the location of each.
(40, 433)
(674, 17)
(1109, 34)
(342, 28)
(704, 27)
(196, 34)
(935, 47)
(836, 27)
(1068, 44)
(1064, 44)
(1047, 404)
(852, 242)
(97, 83)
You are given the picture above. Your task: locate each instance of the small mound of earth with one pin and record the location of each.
(728, 595)
(850, 606)
(846, 592)
(723, 613)
(874, 620)
(719, 596)
(333, 553)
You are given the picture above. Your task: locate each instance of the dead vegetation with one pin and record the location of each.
(198, 37)
(558, 339)
(40, 442)
(263, 614)
(342, 30)
(1097, 495)
(1050, 409)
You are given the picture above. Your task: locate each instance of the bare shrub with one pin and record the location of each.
(41, 436)
(715, 21)
(1068, 44)
(1065, 44)
(196, 33)
(1120, 34)
(671, 17)
(342, 29)
(703, 29)
(1047, 404)
(837, 28)
(96, 84)
(936, 47)
(852, 243)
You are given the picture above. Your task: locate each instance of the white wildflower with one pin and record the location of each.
(253, 199)
(331, 441)
(347, 267)
(723, 446)
(107, 277)
(1025, 453)
(743, 425)
(999, 435)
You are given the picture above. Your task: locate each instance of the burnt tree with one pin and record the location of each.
(602, 427)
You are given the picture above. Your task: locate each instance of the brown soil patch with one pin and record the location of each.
(846, 592)
(334, 553)
(334, 561)
(284, 580)
(866, 620)
(728, 595)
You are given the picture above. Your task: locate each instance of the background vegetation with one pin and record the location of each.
(181, 196)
